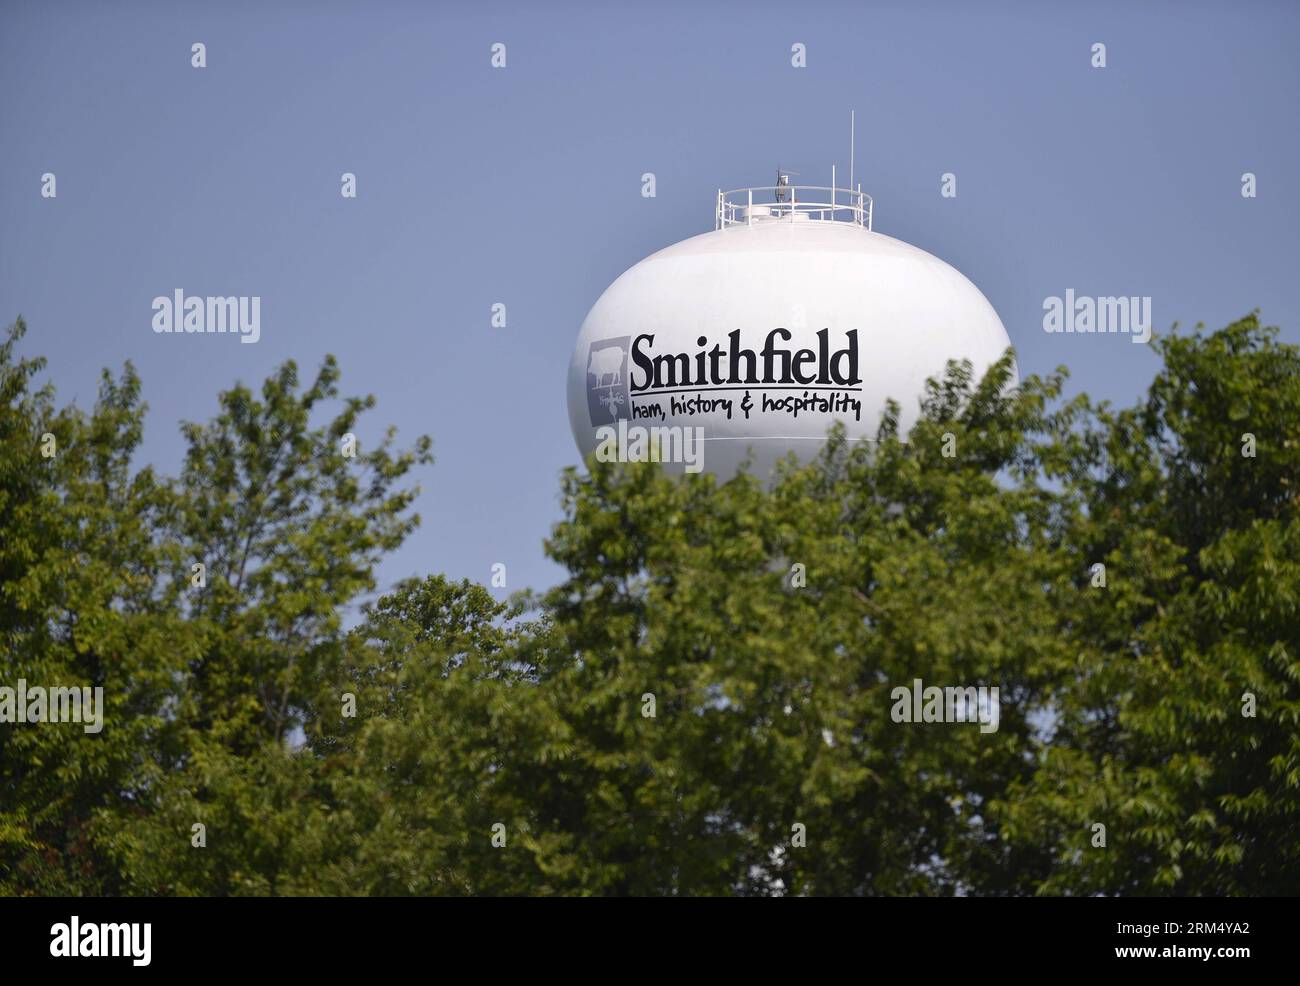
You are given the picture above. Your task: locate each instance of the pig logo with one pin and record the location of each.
(608, 398)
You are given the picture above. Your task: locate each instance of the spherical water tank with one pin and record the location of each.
(789, 316)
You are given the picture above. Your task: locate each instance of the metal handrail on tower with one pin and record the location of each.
(792, 203)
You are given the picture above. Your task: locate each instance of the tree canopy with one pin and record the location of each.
(703, 704)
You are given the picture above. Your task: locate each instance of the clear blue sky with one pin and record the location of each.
(522, 186)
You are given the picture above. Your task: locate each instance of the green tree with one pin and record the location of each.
(703, 704)
(1200, 617)
(207, 687)
(773, 697)
(288, 520)
(78, 607)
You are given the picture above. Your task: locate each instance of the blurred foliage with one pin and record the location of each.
(1120, 705)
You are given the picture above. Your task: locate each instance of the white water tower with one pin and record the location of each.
(790, 315)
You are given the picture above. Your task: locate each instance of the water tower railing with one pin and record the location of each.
(815, 203)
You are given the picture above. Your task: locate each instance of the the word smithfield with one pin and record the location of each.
(740, 366)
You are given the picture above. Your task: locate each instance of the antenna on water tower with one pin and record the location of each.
(852, 142)
(783, 183)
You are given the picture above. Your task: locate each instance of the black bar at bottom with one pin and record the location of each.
(1213, 937)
